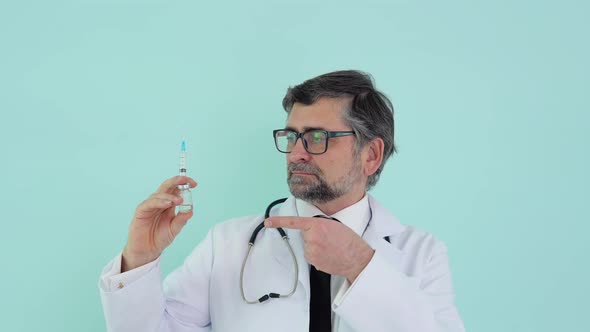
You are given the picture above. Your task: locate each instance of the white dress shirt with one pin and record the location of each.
(356, 217)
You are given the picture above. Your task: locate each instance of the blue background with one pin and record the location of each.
(491, 108)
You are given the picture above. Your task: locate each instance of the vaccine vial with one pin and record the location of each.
(187, 199)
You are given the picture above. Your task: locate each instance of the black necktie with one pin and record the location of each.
(320, 304)
(320, 307)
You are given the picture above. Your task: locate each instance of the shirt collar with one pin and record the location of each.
(356, 216)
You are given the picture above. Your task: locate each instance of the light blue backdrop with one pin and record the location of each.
(492, 116)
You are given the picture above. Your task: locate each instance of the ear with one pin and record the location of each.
(373, 156)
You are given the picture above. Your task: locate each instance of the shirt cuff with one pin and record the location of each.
(345, 289)
(112, 278)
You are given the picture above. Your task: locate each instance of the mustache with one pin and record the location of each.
(306, 168)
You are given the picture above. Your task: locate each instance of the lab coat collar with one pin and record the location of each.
(383, 223)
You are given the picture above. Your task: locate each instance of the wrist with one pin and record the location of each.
(130, 261)
(362, 262)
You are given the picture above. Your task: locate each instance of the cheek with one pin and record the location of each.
(334, 168)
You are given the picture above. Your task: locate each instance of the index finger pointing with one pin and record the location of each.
(289, 222)
(174, 181)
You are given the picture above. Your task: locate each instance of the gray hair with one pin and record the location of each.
(370, 113)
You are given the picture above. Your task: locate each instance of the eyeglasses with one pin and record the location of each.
(315, 141)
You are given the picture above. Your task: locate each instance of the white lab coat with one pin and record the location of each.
(406, 287)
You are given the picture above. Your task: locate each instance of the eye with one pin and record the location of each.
(317, 137)
(291, 137)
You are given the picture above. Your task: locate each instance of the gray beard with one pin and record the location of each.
(317, 190)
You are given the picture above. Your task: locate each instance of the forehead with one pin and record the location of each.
(325, 113)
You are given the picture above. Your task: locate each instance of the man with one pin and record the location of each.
(346, 264)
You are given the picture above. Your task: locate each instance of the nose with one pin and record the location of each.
(298, 154)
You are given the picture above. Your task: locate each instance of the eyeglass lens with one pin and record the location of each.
(314, 141)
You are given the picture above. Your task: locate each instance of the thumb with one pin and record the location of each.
(179, 221)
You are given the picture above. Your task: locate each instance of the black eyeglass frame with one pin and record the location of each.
(329, 134)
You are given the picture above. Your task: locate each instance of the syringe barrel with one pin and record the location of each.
(182, 163)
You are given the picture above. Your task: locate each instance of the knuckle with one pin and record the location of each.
(322, 226)
(138, 210)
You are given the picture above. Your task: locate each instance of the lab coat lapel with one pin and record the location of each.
(283, 257)
(383, 224)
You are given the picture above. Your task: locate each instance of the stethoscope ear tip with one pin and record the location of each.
(269, 296)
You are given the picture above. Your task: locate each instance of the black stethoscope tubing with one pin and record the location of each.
(266, 215)
(251, 245)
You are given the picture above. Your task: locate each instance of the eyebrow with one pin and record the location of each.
(305, 128)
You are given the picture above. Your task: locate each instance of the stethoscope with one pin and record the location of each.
(286, 239)
(251, 244)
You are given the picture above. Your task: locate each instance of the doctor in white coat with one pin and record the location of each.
(381, 275)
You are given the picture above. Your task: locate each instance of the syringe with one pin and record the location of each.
(185, 194)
